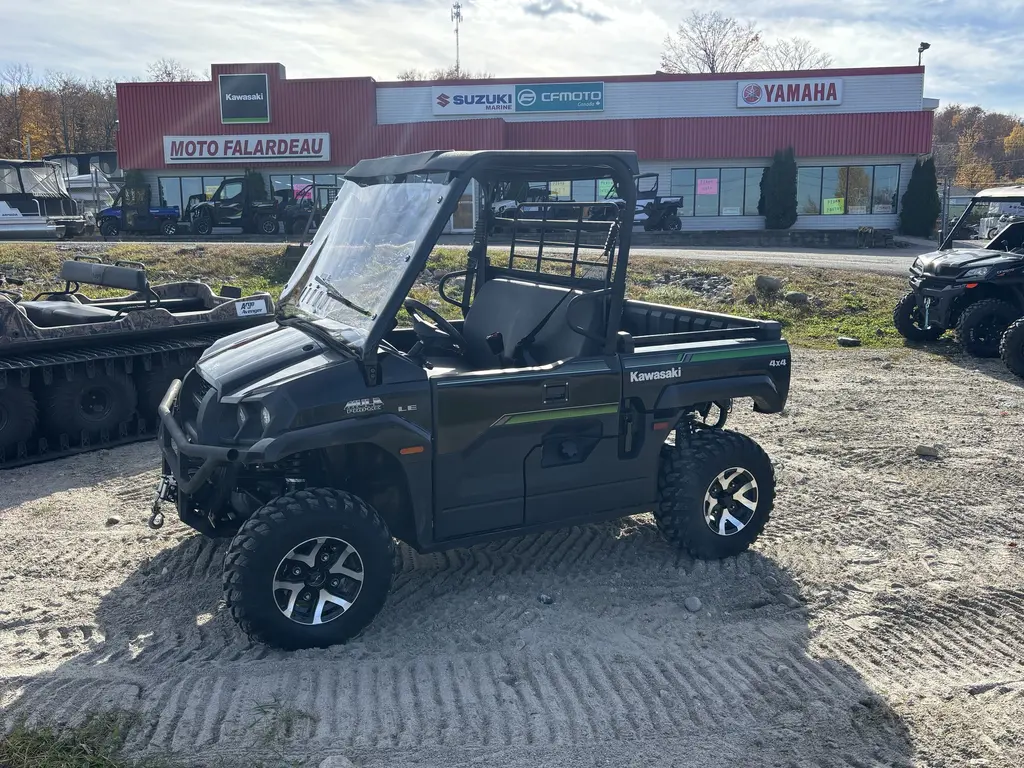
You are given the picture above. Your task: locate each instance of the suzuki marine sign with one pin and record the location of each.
(821, 92)
(256, 148)
(534, 97)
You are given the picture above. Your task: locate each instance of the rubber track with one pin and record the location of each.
(136, 429)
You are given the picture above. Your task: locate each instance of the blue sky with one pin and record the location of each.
(972, 40)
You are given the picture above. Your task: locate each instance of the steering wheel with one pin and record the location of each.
(440, 329)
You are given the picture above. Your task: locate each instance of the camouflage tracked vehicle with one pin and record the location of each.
(78, 373)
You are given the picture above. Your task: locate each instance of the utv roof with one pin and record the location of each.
(1014, 192)
(506, 165)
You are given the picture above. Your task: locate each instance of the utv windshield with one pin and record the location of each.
(361, 252)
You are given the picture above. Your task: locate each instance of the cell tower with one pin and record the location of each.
(457, 19)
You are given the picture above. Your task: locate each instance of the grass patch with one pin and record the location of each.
(95, 744)
(843, 302)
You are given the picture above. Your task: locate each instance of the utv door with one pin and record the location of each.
(528, 447)
(229, 204)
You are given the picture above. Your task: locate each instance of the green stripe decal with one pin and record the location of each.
(728, 354)
(557, 413)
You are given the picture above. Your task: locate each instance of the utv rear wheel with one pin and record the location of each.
(84, 404)
(981, 326)
(1011, 350)
(909, 321)
(267, 225)
(18, 415)
(169, 228)
(716, 493)
(308, 570)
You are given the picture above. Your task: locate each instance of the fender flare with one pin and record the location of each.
(762, 388)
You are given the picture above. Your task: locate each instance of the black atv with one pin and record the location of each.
(551, 401)
(977, 291)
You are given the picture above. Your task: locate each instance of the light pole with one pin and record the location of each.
(920, 50)
(457, 18)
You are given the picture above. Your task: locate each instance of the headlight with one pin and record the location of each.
(265, 417)
(976, 272)
(242, 416)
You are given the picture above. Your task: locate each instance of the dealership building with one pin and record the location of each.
(856, 133)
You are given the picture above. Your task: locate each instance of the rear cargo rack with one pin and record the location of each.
(558, 218)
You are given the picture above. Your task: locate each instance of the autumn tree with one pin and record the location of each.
(16, 83)
(707, 41)
(793, 53)
(1013, 149)
(972, 170)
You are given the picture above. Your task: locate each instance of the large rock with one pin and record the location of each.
(796, 298)
(768, 284)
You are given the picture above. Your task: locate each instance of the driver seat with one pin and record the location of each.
(514, 308)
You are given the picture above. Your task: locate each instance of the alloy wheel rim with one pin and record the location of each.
(730, 502)
(318, 580)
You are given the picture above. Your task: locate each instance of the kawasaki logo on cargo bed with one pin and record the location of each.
(668, 373)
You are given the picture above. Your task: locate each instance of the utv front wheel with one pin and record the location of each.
(909, 321)
(308, 570)
(1012, 348)
(981, 326)
(716, 493)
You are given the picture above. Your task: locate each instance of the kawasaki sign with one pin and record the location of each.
(534, 97)
(244, 98)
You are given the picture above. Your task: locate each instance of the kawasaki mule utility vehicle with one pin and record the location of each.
(978, 291)
(315, 440)
(231, 205)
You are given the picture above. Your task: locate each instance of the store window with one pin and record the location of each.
(681, 182)
(886, 189)
(716, 191)
(848, 190)
(584, 191)
(752, 191)
(808, 190)
(732, 186)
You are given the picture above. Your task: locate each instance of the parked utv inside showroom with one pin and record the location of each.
(316, 439)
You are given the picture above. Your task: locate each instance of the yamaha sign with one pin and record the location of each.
(534, 97)
(244, 99)
(813, 92)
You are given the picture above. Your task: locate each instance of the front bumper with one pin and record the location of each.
(938, 296)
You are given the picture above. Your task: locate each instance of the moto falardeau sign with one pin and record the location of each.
(532, 97)
(244, 98)
(810, 92)
(262, 148)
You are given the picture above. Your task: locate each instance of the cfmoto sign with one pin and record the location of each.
(560, 97)
(535, 97)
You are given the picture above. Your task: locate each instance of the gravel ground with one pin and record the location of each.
(877, 622)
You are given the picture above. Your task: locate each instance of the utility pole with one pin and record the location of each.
(457, 18)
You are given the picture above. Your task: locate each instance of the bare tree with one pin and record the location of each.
(793, 53)
(15, 81)
(68, 94)
(443, 73)
(170, 71)
(711, 42)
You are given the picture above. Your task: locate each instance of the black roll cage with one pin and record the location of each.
(489, 168)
